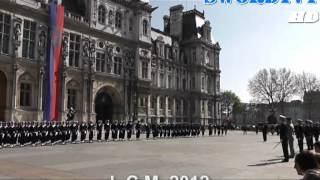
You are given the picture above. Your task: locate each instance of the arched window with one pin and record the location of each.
(145, 27)
(101, 15)
(118, 20)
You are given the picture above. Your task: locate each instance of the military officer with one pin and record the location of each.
(83, 131)
(106, 130)
(299, 131)
(91, 129)
(129, 130)
(138, 126)
(99, 130)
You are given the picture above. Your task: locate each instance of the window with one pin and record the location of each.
(100, 62)
(118, 20)
(74, 50)
(5, 21)
(153, 78)
(162, 82)
(130, 24)
(194, 56)
(101, 15)
(153, 102)
(178, 106)
(117, 66)
(209, 109)
(169, 81)
(161, 50)
(145, 70)
(25, 94)
(72, 98)
(29, 37)
(110, 17)
(184, 84)
(193, 82)
(145, 27)
(143, 101)
(162, 102)
(170, 102)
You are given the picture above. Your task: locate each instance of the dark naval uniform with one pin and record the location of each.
(299, 131)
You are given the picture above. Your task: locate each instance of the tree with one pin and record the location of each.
(230, 103)
(273, 86)
(306, 82)
(285, 85)
(263, 86)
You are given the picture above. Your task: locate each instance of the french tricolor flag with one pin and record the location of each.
(53, 61)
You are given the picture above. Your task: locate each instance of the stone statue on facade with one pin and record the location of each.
(109, 51)
(65, 45)
(17, 32)
(85, 48)
(42, 43)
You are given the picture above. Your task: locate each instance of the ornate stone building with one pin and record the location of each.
(114, 65)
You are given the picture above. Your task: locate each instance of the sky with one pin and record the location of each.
(253, 37)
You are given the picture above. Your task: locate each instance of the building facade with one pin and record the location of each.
(114, 65)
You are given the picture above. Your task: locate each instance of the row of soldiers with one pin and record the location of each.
(44, 133)
(308, 130)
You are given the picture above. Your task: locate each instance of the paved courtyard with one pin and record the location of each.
(229, 157)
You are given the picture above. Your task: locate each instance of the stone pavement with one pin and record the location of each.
(229, 157)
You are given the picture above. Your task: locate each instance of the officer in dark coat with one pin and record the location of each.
(309, 134)
(210, 129)
(147, 128)
(265, 132)
(74, 132)
(299, 131)
(138, 130)
(83, 132)
(202, 129)
(21, 134)
(69, 125)
(91, 129)
(107, 127)
(114, 130)
(129, 130)
(99, 130)
(64, 131)
(284, 138)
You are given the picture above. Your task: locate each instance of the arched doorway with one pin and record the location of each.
(3, 95)
(103, 106)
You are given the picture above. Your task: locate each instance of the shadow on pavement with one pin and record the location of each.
(267, 162)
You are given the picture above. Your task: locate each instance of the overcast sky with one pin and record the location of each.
(253, 37)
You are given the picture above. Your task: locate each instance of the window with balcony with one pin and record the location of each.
(100, 62)
(29, 38)
(72, 98)
(117, 65)
(145, 70)
(74, 50)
